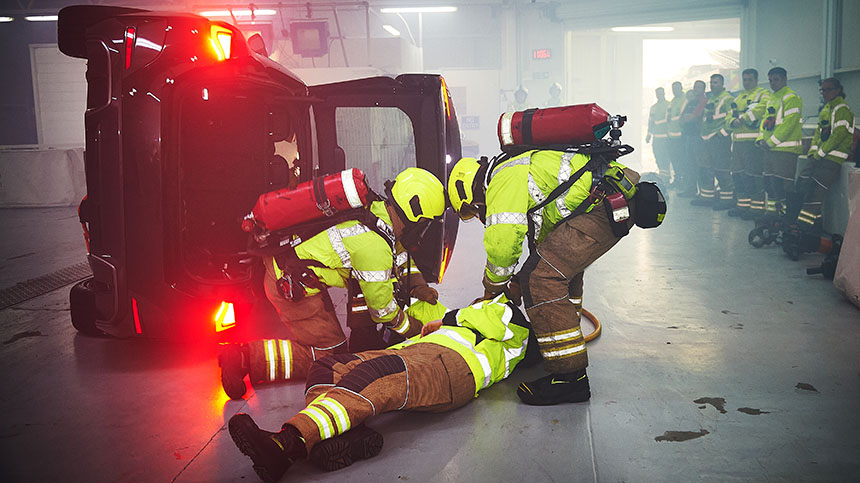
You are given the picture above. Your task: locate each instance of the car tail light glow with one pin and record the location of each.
(137, 327)
(445, 98)
(225, 318)
(129, 45)
(221, 38)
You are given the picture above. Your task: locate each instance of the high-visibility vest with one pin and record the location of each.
(351, 249)
(519, 184)
(783, 109)
(836, 117)
(502, 343)
(752, 105)
(715, 113)
(673, 115)
(657, 123)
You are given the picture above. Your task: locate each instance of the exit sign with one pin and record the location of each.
(540, 54)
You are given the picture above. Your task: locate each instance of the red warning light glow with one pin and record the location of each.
(225, 318)
(129, 45)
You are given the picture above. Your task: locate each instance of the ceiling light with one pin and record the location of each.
(418, 9)
(643, 29)
(41, 18)
(393, 31)
(244, 12)
(6, 19)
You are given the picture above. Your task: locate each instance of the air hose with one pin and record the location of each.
(597, 327)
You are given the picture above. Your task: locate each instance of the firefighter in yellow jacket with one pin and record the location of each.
(779, 135)
(346, 252)
(743, 122)
(717, 150)
(567, 233)
(441, 369)
(830, 147)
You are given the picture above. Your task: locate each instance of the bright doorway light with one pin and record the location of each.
(393, 31)
(41, 18)
(6, 19)
(643, 29)
(244, 12)
(418, 9)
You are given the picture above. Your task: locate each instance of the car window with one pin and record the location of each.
(377, 140)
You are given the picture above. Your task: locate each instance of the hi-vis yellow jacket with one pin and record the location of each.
(673, 115)
(657, 122)
(519, 184)
(752, 105)
(353, 249)
(783, 114)
(486, 335)
(716, 111)
(837, 118)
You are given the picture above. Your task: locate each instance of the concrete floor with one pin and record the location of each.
(703, 336)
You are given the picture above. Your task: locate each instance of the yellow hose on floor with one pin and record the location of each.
(597, 327)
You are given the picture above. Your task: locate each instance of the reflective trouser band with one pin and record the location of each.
(279, 359)
(561, 335)
(501, 271)
(329, 415)
(564, 351)
(384, 312)
(400, 324)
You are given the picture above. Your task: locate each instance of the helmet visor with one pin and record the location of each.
(469, 211)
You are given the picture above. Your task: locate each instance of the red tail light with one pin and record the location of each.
(137, 327)
(225, 318)
(129, 45)
(221, 38)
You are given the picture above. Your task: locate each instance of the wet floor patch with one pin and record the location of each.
(806, 387)
(23, 335)
(678, 436)
(717, 402)
(753, 411)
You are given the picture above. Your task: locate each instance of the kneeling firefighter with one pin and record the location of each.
(574, 201)
(365, 249)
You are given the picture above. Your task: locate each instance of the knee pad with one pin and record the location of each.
(365, 373)
(322, 371)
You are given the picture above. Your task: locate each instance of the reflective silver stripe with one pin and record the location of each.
(787, 96)
(482, 358)
(564, 352)
(360, 308)
(385, 228)
(505, 128)
(401, 259)
(339, 412)
(288, 356)
(838, 154)
(538, 197)
(385, 311)
(513, 353)
(372, 275)
(564, 172)
(660, 136)
(516, 162)
(746, 135)
(321, 420)
(750, 115)
(349, 189)
(501, 271)
(660, 122)
(560, 337)
(271, 358)
(791, 111)
(337, 243)
(507, 218)
(402, 322)
(844, 123)
(720, 115)
(354, 230)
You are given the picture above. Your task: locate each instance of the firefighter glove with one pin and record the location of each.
(426, 293)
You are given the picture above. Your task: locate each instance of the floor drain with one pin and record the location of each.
(35, 287)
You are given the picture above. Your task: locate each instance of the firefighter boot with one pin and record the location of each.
(358, 443)
(234, 362)
(556, 388)
(272, 453)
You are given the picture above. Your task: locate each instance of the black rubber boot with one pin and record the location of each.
(358, 443)
(234, 362)
(555, 389)
(272, 453)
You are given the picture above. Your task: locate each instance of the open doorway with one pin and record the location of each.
(667, 60)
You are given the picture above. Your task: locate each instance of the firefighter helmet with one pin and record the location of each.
(461, 187)
(418, 194)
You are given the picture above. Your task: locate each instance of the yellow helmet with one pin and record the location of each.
(418, 193)
(461, 184)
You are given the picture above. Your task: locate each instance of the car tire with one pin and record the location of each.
(82, 302)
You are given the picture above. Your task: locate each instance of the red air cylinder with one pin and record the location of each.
(286, 207)
(579, 124)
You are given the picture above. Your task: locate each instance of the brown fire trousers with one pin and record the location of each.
(343, 390)
(552, 276)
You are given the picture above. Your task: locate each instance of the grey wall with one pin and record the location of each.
(18, 119)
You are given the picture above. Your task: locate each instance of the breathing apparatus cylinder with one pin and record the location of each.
(312, 200)
(577, 124)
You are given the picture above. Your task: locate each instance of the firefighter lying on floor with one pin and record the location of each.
(439, 370)
(353, 255)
